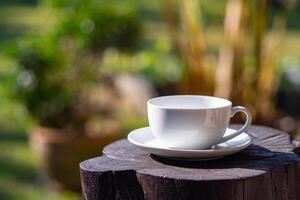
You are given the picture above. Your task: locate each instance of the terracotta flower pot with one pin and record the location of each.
(60, 153)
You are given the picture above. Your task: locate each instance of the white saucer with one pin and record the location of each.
(144, 139)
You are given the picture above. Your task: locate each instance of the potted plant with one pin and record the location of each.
(75, 107)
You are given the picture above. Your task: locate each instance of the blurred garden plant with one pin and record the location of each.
(61, 83)
(246, 69)
(99, 26)
(59, 73)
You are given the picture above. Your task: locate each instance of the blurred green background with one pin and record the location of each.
(84, 69)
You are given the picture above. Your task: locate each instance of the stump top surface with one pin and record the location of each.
(270, 148)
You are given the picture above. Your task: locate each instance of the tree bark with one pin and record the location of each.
(267, 169)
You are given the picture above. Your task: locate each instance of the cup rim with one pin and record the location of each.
(227, 103)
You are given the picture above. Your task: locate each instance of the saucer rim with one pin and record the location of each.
(224, 149)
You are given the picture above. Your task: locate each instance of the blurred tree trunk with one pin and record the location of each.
(252, 84)
(259, 11)
(267, 76)
(170, 16)
(229, 74)
(232, 82)
(196, 80)
(188, 37)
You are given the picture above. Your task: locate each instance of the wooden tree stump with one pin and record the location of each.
(267, 169)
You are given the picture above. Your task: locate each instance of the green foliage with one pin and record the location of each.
(40, 80)
(54, 69)
(290, 68)
(281, 5)
(97, 27)
(157, 63)
(58, 3)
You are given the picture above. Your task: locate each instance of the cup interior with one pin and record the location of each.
(189, 102)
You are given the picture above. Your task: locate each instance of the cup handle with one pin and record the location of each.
(246, 126)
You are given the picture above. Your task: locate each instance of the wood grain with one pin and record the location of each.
(267, 169)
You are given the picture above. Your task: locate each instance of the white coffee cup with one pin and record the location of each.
(192, 121)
